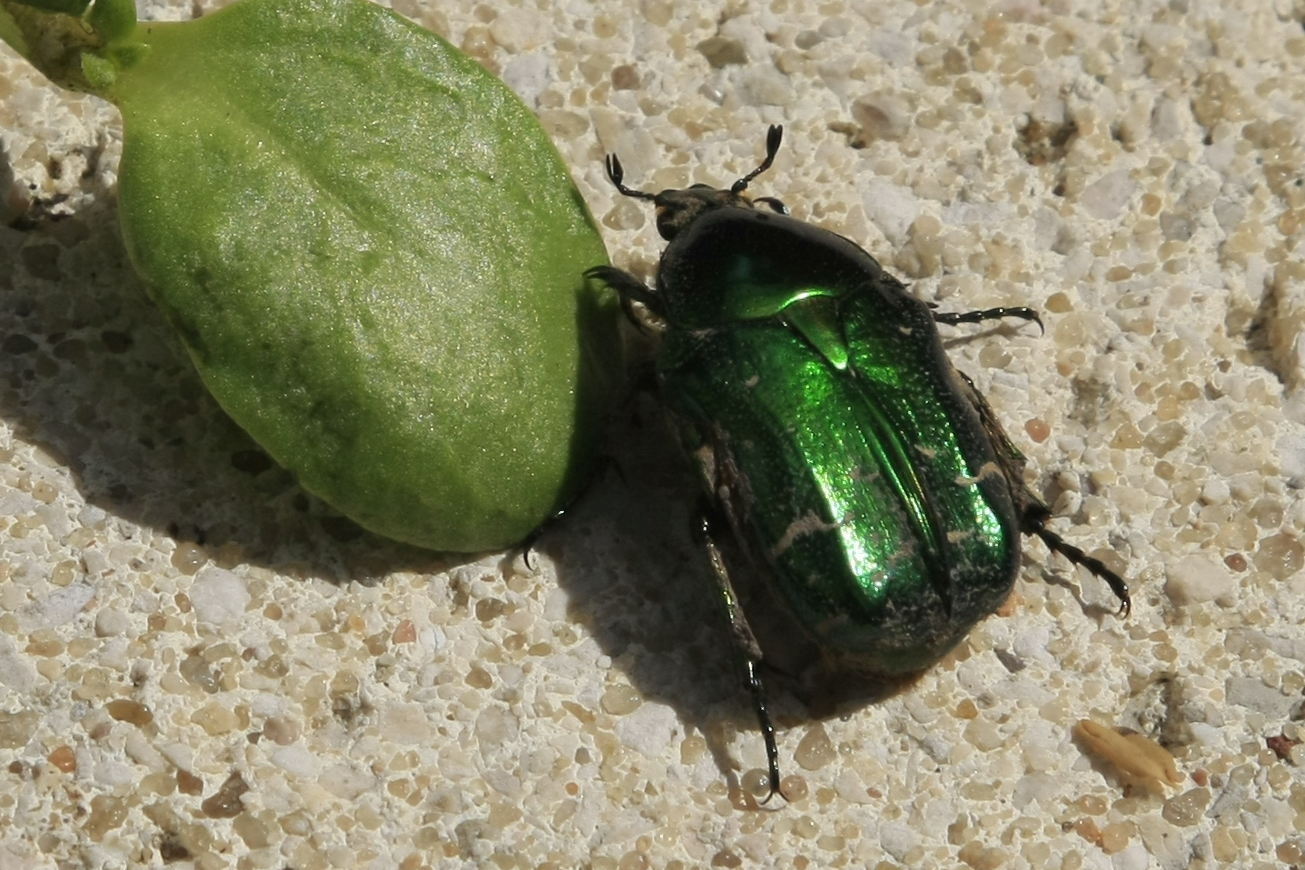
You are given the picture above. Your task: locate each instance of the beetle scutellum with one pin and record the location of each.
(879, 500)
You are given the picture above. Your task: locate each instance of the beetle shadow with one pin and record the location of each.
(93, 375)
(960, 339)
(1071, 583)
(640, 584)
(637, 582)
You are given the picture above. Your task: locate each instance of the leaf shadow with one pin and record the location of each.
(92, 374)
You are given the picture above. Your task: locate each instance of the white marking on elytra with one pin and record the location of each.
(807, 524)
(988, 469)
(861, 474)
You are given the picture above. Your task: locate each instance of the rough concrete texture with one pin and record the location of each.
(201, 665)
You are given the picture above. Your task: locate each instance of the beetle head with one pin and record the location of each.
(677, 209)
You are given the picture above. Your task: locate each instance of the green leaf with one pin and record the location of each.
(113, 20)
(12, 35)
(53, 41)
(75, 8)
(62, 39)
(374, 255)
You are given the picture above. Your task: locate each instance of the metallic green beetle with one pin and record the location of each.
(877, 498)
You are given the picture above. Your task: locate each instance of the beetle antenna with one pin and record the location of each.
(773, 137)
(616, 172)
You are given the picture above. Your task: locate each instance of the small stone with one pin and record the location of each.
(132, 712)
(189, 783)
(1106, 197)
(898, 839)
(406, 724)
(722, 52)
(225, 802)
(188, 557)
(345, 782)
(1281, 745)
(1115, 836)
(405, 632)
(983, 735)
(107, 813)
(295, 759)
(141, 750)
(764, 87)
(815, 750)
(62, 605)
(111, 622)
(1087, 829)
(521, 31)
(1195, 579)
(218, 595)
(647, 730)
(981, 857)
(63, 758)
(1251, 693)
(252, 830)
(756, 783)
(1186, 809)
(620, 700)
(215, 719)
(281, 731)
(17, 728)
(625, 78)
(881, 116)
(1280, 556)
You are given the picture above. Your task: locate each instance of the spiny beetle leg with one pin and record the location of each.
(1033, 513)
(628, 286)
(746, 642)
(1035, 520)
(757, 689)
(1021, 311)
(605, 463)
(632, 316)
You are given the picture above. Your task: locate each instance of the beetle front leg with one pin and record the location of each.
(630, 289)
(953, 318)
(746, 642)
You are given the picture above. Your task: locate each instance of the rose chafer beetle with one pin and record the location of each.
(874, 494)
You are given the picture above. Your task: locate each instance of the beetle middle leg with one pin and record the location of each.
(746, 642)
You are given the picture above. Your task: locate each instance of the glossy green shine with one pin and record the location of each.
(857, 456)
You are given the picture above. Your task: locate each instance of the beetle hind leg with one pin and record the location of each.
(746, 642)
(1032, 512)
(1034, 522)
